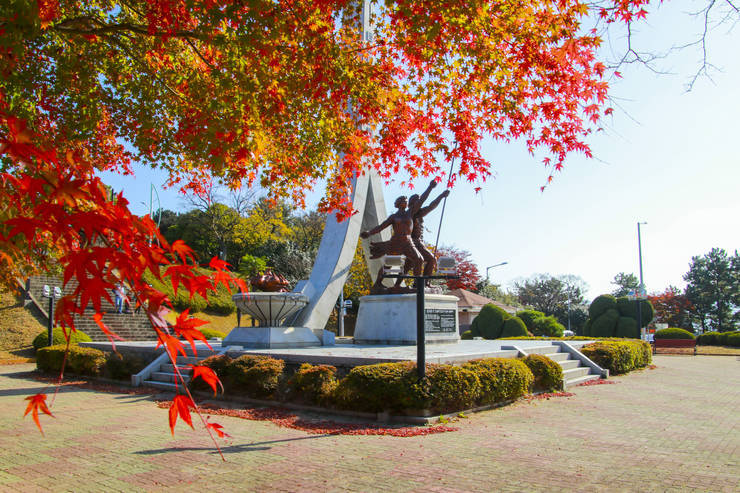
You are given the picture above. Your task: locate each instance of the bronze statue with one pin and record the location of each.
(417, 234)
(270, 282)
(401, 242)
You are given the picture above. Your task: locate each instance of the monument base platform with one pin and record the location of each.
(391, 319)
(277, 337)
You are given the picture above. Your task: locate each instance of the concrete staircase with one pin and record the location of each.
(575, 370)
(160, 374)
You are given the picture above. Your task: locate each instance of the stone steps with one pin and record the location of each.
(574, 371)
(164, 377)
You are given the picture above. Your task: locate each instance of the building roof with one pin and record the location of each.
(473, 300)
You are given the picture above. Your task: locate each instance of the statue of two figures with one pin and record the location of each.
(407, 239)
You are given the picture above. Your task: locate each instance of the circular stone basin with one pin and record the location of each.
(271, 309)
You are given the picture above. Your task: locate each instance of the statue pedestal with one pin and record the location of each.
(277, 337)
(391, 319)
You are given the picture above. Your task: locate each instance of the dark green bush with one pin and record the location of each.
(81, 360)
(314, 384)
(501, 379)
(548, 375)
(548, 326)
(120, 366)
(628, 308)
(452, 388)
(605, 325)
(601, 304)
(587, 328)
(731, 339)
(384, 386)
(627, 328)
(673, 333)
(709, 339)
(619, 356)
(467, 335)
(76, 337)
(212, 333)
(528, 317)
(257, 376)
(489, 322)
(514, 327)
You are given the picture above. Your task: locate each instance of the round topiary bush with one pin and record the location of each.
(529, 317)
(587, 328)
(514, 327)
(548, 327)
(605, 325)
(489, 322)
(314, 384)
(548, 375)
(42, 340)
(627, 328)
(673, 333)
(601, 304)
(628, 308)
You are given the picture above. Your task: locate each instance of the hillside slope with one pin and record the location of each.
(18, 327)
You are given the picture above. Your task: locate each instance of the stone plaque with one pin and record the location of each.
(439, 320)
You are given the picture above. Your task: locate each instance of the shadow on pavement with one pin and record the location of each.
(231, 449)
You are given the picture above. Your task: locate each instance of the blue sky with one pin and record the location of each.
(667, 157)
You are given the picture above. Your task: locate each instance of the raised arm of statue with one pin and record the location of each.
(423, 197)
(378, 228)
(433, 205)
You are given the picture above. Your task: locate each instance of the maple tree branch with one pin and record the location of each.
(85, 25)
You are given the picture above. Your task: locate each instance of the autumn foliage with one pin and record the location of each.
(281, 93)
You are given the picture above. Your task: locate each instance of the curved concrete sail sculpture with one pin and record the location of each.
(337, 250)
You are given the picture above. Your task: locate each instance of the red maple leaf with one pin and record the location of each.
(171, 344)
(37, 402)
(181, 406)
(98, 317)
(209, 376)
(217, 429)
(184, 251)
(186, 327)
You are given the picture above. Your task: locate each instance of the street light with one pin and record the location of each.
(641, 292)
(492, 266)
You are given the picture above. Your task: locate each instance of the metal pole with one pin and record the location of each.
(420, 334)
(50, 326)
(642, 285)
(340, 314)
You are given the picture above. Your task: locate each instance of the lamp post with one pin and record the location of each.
(492, 266)
(641, 289)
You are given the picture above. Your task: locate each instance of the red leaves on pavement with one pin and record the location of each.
(209, 376)
(600, 381)
(37, 403)
(181, 406)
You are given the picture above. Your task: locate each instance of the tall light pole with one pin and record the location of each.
(492, 266)
(642, 284)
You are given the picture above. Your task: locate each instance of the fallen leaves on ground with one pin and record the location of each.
(596, 382)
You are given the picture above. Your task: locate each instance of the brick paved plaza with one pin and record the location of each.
(673, 428)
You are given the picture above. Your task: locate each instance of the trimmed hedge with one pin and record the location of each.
(529, 317)
(601, 304)
(548, 326)
(120, 366)
(548, 375)
(314, 384)
(604, 325)
(709, 339)
(673, 333)
(619, 356)
(489, 322)
(254, 376)
(731, 339)
(628, 308)
(467, 335)
(57, 337)
(501, 379)
(627, 328)
(81, 360)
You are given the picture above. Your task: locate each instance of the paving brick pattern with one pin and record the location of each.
(674, 428)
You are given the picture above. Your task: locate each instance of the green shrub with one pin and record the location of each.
(452, 388)
(627, 328)
(81, 360)
(467, 335)
(731, 339)
(514, 327)
(587, 328)
(628, 308)
(528, 317)
(257, 376)
(501, 379)
(489, 322)
(673, 333)
(548, 375)
(605, 325)
(548, 326)
(75, 337)
(120, 366)
(314, 384)
(212, 333)
(619, 356)
(601, 304)
(709, 339)
(380, 387)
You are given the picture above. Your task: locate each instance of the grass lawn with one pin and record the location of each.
(18, 327)
(222, 323)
